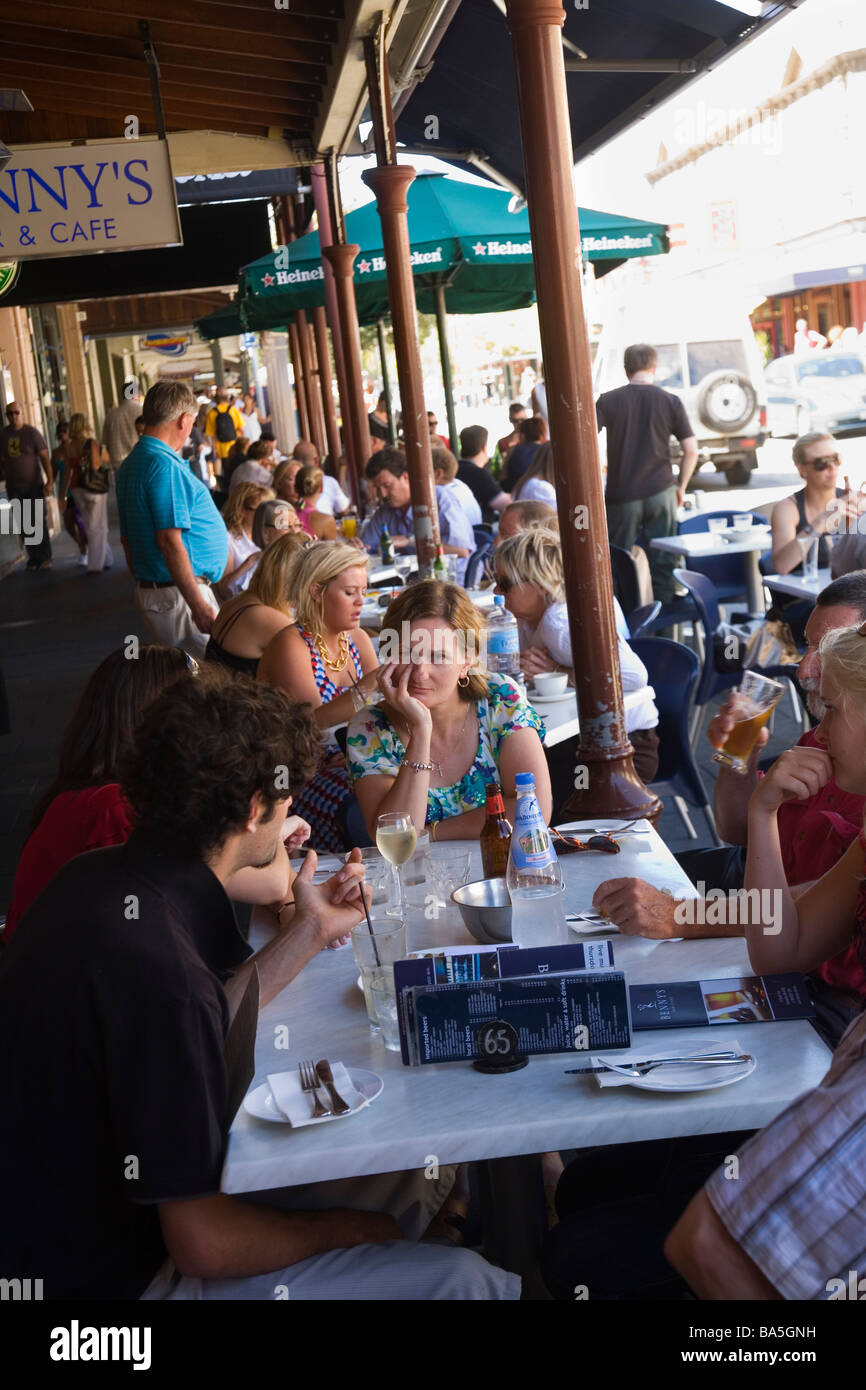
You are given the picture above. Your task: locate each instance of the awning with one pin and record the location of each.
(835, 256)
(470, 87)
(472, 239)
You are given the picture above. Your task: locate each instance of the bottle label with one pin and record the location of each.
(530, 842)
(503, 641)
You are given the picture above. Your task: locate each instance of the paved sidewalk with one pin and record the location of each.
(55, 627)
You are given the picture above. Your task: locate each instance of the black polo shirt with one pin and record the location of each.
(113, 1086)
(481, 484)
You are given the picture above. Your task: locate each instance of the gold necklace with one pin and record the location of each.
(342, 657)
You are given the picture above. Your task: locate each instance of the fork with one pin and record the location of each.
(644, 1068)
(310, 1084)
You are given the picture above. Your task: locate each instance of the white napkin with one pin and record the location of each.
(725, 1043)
(297, 1105)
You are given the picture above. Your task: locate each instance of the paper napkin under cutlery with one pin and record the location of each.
(297, 1105)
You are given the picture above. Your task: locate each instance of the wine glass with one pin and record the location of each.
(396, 839)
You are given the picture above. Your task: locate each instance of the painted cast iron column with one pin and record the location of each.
(300, 384)
(390, 182)
(386, 378)
(318, 181)
(323, 360)
(445, 359)
(610, 785)
(314, 414)
(356, 427)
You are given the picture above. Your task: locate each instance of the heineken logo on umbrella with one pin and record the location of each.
(8, 275)
(495, 247)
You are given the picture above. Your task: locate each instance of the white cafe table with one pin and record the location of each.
(797, 586)
(704, 545)
(457, 1114)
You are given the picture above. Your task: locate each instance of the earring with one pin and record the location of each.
(463, 681)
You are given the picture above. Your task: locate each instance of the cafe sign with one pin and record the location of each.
(8, 275)
(73, 200)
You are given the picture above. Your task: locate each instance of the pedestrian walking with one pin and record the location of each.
(26, 468)
(87, 481)
(642, 494)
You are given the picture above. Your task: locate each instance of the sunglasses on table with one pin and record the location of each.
(824, 462)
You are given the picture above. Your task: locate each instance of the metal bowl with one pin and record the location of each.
(486, 910)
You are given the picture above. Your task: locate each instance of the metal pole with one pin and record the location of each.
(386, 379)
(605, 780)
(317, 434)
(445, 359)
(320, 329)
(390, 182)
(216, 354)
(300, 387)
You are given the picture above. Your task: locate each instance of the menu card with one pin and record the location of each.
(550, 1013)
(740, 999)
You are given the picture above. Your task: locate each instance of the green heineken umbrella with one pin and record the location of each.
(471, 254)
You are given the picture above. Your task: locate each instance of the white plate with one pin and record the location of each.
(690, 1076)
(592, 928)
(535, 699)
(261, 1104)
(580, 829)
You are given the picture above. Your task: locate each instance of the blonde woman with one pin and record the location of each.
(246, 624)
(529, 573)
(325, 660)
(80, 451)
(309, 483)
(447, 728)
(238, 514)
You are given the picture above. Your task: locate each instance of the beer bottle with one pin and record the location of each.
(386, 547)
(440, 570)
(495, 838)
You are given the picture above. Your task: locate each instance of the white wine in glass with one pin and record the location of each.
(396, 839)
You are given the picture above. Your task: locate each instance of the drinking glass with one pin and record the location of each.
(396, 840)
(810, 561)
(754, 702)
(742, 521)
(416, 873)
(379, 876)
(349, 527)
(717, 525)
(449, 869)
(375, 953)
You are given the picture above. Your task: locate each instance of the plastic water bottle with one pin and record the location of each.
(534, 876)
(503, 640)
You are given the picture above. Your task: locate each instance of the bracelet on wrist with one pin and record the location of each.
(434, 826)
(418, 767)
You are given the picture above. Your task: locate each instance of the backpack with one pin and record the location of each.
(225, 426)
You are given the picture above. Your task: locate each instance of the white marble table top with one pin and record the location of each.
(796, 585)
(452, 1113)
(703, 544)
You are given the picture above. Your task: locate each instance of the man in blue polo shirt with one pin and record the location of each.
(175, 541)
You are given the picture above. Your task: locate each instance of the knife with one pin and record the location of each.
(326, 1076)
(655, 1061)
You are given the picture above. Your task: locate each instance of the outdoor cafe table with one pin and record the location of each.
(456, 1114)
(704, 545)
(797, 586)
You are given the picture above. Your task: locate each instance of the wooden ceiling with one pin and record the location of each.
(243, 66)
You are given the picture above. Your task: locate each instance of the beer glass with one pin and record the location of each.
(753, 703)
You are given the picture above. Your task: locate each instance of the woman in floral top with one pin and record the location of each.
(446, 728)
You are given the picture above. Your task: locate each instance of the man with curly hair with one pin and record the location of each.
(128, 1002)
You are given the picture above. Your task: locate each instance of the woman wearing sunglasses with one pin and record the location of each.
(817, 510)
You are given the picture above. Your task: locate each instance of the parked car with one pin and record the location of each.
(708, 356)
(823, 390)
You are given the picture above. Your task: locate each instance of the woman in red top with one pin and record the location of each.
(84, 808)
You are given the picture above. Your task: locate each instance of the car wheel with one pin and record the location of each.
(740, 472)
(726, 402)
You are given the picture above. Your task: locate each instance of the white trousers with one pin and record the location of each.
(395, 1271)
(168, 617)
(93, 507)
